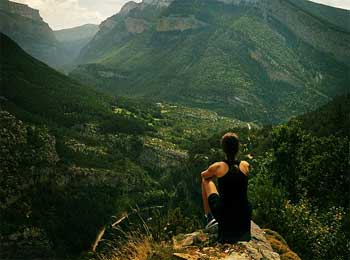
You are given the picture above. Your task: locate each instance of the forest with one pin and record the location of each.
(108, 157)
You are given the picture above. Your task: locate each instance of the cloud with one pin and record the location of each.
(345, 4)
(61, 14)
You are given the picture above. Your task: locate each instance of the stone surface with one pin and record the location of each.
(158, 3)
(167, 24)
(202, 245)
(20, 9)
(125, 10)
(25, 26)
(134, 25)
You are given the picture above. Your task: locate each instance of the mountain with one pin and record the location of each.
(330, 119)
(336, 16)
(74, 39)
(84, 32)
(31, 32)
(253, 60)
(74, 162)
(72, 157)
(34, 90)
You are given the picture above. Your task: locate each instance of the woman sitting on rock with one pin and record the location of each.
(228, 206)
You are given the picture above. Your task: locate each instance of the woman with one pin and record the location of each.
(228, 205)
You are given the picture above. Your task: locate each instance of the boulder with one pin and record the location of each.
(202, 245)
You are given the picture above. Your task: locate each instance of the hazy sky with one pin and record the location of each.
(61, 14)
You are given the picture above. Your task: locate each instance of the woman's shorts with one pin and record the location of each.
(216, 206)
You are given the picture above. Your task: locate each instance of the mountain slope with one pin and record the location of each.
(74, 39)
(330, 119)
(27, 28)
(72, 157)
(253, 60)
(30, 85)
(338, 17)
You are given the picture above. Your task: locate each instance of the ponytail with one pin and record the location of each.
(230, 146)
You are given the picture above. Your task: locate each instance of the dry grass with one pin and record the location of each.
(280, 246)
(137, 247)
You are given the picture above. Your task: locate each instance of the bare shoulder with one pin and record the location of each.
(215, 170)
(217, 166)
(244, 167)
(221, 169)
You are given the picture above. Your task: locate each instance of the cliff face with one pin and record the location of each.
(128, 7)
(20, 9)
(159, 3)
(265, 244)
(201, 245)
(25, 26)
(239, 2)
(167, 24)
(227, 55)
(134, 25)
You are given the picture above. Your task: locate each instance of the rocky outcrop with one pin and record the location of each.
(20, 9)
(134, 25)
(25, 26)
(229, 58)
(201, 245)
(125, 10)
(239, 2)
(158, 3)
(167, 24)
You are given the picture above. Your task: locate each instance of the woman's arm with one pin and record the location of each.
(244, 167)
(218, 169)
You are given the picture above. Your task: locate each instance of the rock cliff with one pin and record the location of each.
(20, 9)
(25, 26)
(227, 55)
(264, 245)
(167, 24)
(134, 25)
(128, 7)
(159, 3)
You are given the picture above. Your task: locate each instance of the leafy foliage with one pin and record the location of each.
(72, 157)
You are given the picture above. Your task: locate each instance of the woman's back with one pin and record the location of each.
(233, 186)
(236, 209)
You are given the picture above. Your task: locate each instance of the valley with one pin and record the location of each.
(247, 61)
(99, 122)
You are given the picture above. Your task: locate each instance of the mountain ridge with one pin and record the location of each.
(20, 9)
(200, 48)
(25, 25)
(59, 48)
(73, 40)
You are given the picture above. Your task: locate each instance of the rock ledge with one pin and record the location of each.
(200, 246)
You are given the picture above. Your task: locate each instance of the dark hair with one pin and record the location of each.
(230, 145)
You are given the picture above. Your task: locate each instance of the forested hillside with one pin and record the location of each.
(252, 60)
(299, 184)
(108, 160)
(72, 157)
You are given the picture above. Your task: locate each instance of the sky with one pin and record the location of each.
(60, 14)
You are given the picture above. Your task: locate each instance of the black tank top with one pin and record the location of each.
(233, 186)
(236, 209)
